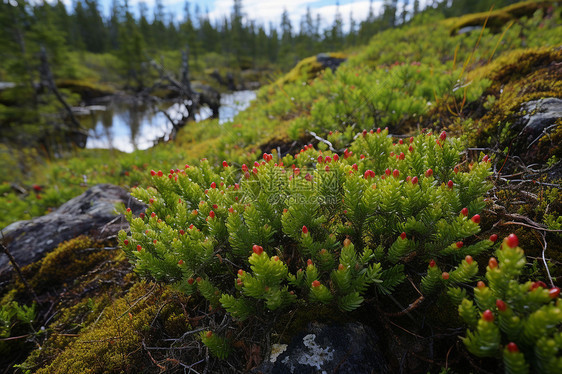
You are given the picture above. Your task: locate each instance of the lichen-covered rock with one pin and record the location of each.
(352, 348)
(92, 213)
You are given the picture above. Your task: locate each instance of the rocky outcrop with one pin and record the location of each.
(349, 349)
(92, 213)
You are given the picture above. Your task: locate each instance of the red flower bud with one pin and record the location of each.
(341, 267)
(308, 262)
(379, 130)
(212, 214)
(401, 156)
(492, 263)
(493, 237)
(182, 232)
(315, 284)
(512, 241)
(450, 184)
(415, 180)
(403, 236)
(180, 262)
(459, 244)
(240, 272)
(209, 334)
(488, 316)
(160, 173)
(429, 173)
(346, 242)
(502, 306)
(225, 164)
(400, 141)
(336, 157)
(476, 218)
(190, 281)
(139, 247)
(512, 347)
(464, 211)
(153, 173)
(354, 166)
(445, 275)
(554, 292)
(411, 139)
(480, 285)
(469, 259)
(387, 171)
(213, 185)
(411, 148)
(395, 173)
(257, 249)
(125, 242)
(153, 214)
(305, 230)
(432, 263)
(142, 215)
(443, 136)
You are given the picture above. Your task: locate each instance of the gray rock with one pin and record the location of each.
(92, 213)
(349, 349)
(328, 61)
(540, 116)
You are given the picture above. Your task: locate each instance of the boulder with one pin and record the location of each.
(92, 213)
(329, 61)
(352, 348)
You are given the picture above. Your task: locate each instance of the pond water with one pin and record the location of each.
(128, 126)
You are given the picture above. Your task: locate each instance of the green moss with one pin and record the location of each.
(307, 69)
(498, 18)
(68, 261)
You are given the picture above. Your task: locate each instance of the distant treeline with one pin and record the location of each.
(248, 42)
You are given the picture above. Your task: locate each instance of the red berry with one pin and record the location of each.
(231, 210)
(450, 184)
(512, 241)
(456, 170)
(443, 136)
(328, 159)
(128, 210)
(432, 263)
(152, 172)
(403, 236)
(182, 232)
(476, 218)
(153, 214)
(415, 180)
(502, 306)
(190, 281)
(369, 174)
(512, 347)
(142, 215)
(401, 156)
(315, 283)
(305, 230)
(225, 164)
(309, 262)
(275, 258)
(37, 187)
(395, 173)
(336, 157)
(459, 244)
(212, 214)
(139, 247)
(387, 171)
(493, 263)
(213, 185)
(493, 237)
(341, 267)
(464, 211)
(240, 272)
(354, 166)
(160, 173)
(401, 141)
(346, 242)
(126, 242)
(480, 285)
(364, 132)
(320, 159)
(488, 316)
(445, 275)
(379, 130)
(469, 259)
(154, 241)
(429, 173)
(554, 292)
(257, 249)
(209, 334)
(180, 262)
(411, 148)
(411, 139)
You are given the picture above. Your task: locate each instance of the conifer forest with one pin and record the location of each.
(377, 191)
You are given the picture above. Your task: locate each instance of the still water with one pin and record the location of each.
(130, 126)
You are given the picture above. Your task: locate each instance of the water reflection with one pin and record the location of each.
(128, 126)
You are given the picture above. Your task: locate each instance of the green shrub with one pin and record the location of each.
(520, 322)
(311, 229)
